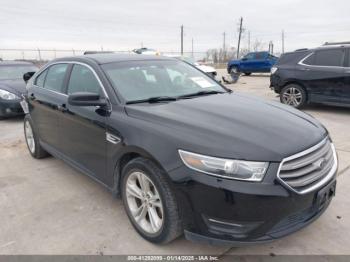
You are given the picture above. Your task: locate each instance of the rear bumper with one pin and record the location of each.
(276, 83)
(10, 108)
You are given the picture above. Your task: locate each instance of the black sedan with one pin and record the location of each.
(12, 86)
(185, 154)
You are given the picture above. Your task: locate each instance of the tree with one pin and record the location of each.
(258, 45)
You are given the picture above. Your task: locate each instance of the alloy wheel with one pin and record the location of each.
(144, 202)
(234, 70)
(292, 96)
(29, 137)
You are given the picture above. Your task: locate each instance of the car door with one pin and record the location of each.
(45, 96)
(324, 75)
(346, 90)
(247, 63)
(262, 62)
(83, 128)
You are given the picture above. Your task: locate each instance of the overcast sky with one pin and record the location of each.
(124, 25)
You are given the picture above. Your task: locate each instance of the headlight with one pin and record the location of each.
(7, 95)
(273, 70)
(227, 168)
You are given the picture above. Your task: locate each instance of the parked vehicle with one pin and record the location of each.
(146, 51)
(209, 70)
(97, 52)
(255, 62)
(12, 86)
(185, 154)
(320, 75)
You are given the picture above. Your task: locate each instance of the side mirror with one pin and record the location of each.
(86, 99)
(28, 76)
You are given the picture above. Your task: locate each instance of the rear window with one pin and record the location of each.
(334, 57)
(260, 55)
(291, 58)
(15, 71)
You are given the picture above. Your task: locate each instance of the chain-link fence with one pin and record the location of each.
(42, 56)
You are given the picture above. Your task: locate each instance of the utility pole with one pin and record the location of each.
(271, 47)
(39, 54)
(240, 35)
(248, 41)
(224, 47)
(192, 48)
(282, 41)
(182, 39)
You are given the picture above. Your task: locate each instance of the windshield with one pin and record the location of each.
(139, 80)
(15, 71)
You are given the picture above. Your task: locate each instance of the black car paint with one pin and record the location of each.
(323, 84)
(223, 125)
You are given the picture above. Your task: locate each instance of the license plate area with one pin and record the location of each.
(325, 195)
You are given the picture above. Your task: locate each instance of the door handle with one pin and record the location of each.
(62, 108)
(305, 69)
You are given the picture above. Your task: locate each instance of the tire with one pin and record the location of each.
(293, 95)
(142, 212)
(234, 70)
(247, 73)
(32, 141)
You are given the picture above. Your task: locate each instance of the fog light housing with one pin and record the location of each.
(236, 229)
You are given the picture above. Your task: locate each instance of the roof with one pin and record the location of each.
(112, 58)
(324, 47)
(7, 62)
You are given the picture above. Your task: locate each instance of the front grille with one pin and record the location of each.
(310, 169)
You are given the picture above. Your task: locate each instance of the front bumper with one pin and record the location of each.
(220, 211)
(10, 108)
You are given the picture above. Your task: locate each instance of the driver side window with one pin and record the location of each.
(82, 79)
(249, 56)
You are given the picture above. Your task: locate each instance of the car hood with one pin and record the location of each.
(233, 126)
(15, 86)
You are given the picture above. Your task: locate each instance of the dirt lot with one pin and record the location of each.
(49, 208)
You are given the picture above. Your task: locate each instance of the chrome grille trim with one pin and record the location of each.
(308, 174)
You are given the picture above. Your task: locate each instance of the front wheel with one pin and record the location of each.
(234, 70)
(150, 202)
(32, 141)
(293, 95)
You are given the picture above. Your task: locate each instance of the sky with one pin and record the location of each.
(125, 25)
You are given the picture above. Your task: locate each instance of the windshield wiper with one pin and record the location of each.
(202, 93)
(154, 99)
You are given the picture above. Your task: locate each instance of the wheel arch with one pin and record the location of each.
(129, 153)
